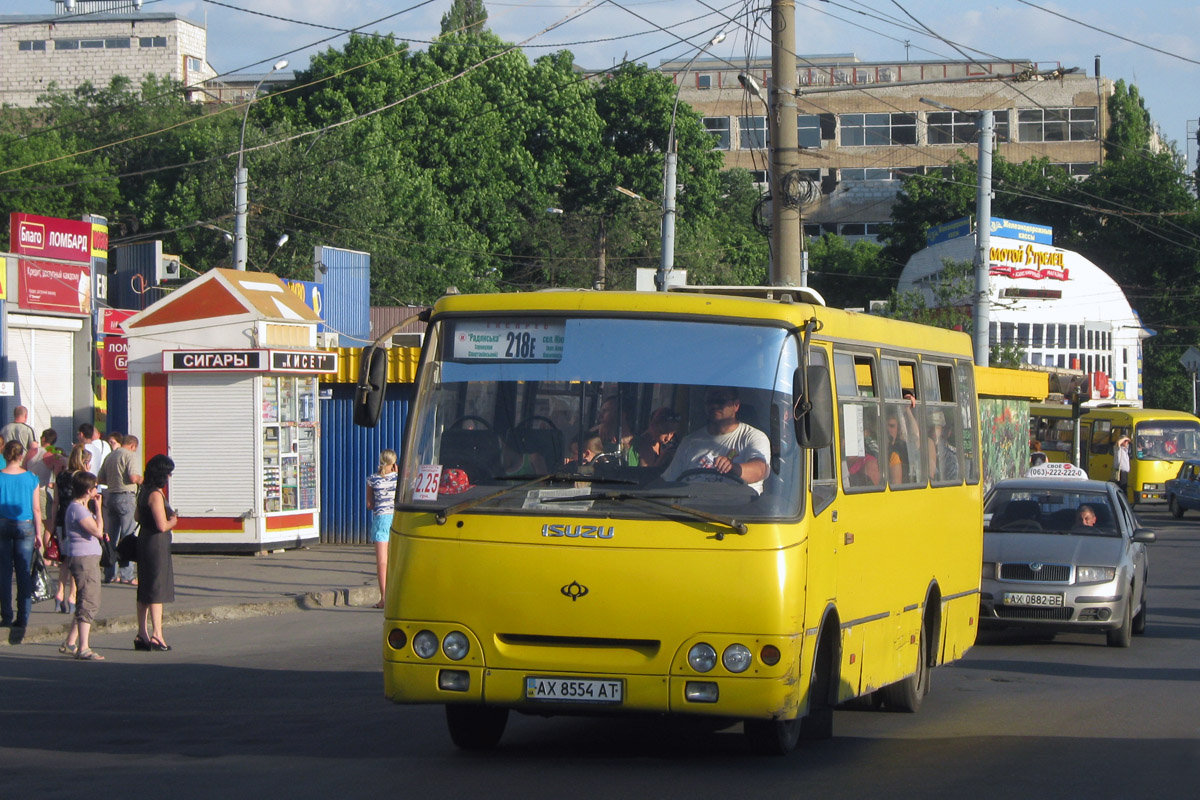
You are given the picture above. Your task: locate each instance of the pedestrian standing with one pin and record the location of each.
(64, 493)
(381, 500)
(1121, 462)
(84, 530)
(89, 437)
(20, 532)
(19, 429)
(120, 475)
(156, 584)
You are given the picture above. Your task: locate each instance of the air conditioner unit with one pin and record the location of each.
(327, 339)
(168, 268)
(407, 339)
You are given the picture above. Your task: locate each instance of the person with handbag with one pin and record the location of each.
(84, 526)
(156, 575)
(20, 532)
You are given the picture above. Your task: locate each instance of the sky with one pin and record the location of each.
(249, 35)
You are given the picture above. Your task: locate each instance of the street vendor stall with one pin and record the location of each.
(223, 378)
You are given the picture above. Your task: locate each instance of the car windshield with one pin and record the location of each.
(1167, 440)
(1060, 511)
(610, 412)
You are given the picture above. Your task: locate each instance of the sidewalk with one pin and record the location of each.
(209, 587)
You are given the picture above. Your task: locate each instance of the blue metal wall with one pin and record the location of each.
(133, 278)
(346, 275)
(349, 454)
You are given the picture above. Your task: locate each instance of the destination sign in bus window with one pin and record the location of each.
(508, 340)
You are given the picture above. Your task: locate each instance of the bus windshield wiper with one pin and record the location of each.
(458, 508)
(660, 501)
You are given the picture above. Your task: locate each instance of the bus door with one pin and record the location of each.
(1099, 442)
(1085, 436)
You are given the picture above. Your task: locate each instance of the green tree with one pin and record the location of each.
(465, 16)
(848, 274)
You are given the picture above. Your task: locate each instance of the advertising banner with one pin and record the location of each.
(115, 362)
(51, 237)
(111, 319)
(42, 286)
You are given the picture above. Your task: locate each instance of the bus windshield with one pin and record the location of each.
(610, 417)
(1167, 440)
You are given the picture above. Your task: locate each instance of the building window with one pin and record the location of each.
(152, 41)
(950, 127)
(867, 174)
(91, 44)
(1077, 169)
(117, 44)
(1057, 124)
(704, 81)
(1038, 331)
(754, 132)
(872, 130)
(758, 175)
(719, 127)
(66, 44)
(808, 126)
(193, 64)
(31, 45)
(1023, 333)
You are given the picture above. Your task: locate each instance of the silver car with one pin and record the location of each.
(1063, 555)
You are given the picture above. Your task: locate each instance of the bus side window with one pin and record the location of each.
(968, 416)
(944, 442)
(862, 470)
(906, 454)
(824, 479)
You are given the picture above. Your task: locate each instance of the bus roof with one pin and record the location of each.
(834, 323)
(1134, 415)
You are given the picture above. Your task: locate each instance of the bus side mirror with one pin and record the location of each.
(372, 380)
(814, 424)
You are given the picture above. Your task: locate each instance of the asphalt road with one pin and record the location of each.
(291, 706)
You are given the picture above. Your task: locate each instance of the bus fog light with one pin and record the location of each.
(769, 655)
(425, 644)
(397, 638)
(456, 645)
(702, 657)
(700, 692)
(736, 658)
(454, 680)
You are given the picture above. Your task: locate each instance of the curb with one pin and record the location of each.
(306, 601)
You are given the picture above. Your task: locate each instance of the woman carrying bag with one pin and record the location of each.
(20, 532)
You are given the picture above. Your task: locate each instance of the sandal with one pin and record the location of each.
(89, 655)
(66, 649)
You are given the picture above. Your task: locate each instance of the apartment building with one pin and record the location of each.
(863, 125)
(94, 41)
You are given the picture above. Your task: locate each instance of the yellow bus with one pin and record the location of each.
(694, 504)
(1161, 440)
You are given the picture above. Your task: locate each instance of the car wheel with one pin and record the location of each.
(906, 695)
(1122, 636)
(1176, 509)
(476, 727)
(1139, 619)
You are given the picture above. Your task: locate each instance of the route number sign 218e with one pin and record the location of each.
(508, 340)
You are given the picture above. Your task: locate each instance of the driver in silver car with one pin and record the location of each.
(724, 446)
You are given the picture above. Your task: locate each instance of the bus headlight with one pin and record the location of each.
(456, 645)
(736, 658)
(425, 644)
(702, 657)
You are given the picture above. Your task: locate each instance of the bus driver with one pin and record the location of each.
(724, 445)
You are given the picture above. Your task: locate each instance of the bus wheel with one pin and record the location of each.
(818, 722)
(476, 727)
(906, 695)
(1176, 509)
(772, 737)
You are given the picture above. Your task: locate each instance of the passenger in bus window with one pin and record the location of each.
(612, 427)
(656, 445)
(897, 448)
(724, 445)
(943, 456)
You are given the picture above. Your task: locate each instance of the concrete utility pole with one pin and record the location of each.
(983, 238)
(786, 269)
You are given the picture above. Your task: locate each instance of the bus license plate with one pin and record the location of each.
(1029, 599)
(574, 690)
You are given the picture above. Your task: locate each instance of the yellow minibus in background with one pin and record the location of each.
(695, 504)
(1160, 441)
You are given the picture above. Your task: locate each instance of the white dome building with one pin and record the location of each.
(1064, 310)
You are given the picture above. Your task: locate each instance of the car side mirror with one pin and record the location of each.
(1145, 536)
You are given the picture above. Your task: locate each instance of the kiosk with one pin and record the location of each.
(223, 378)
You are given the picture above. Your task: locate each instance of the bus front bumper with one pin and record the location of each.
(547, 692)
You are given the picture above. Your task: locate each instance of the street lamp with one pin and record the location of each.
(667, 261)
(278, 246)
(239, 184)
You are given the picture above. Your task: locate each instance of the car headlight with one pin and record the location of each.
(736, 658)
(1095, 574)
(456, 645)
(702, 657)
(425, 644)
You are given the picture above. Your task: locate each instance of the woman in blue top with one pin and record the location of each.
(20, 531)
(381, 501)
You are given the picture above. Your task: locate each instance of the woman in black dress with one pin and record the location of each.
(156, 578)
